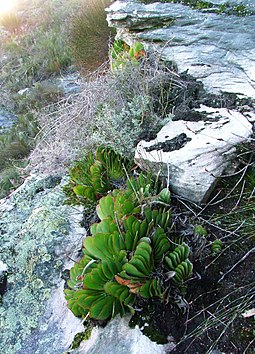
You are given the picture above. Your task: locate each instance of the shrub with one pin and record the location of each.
(121, 54)
(15, 145)
(90, 34)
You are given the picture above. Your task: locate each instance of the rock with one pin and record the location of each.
(3, 278)
(137, 16)
(39, 238)
(70, 83)
(7, 120)
(117, 337)
(208, 45)
(195, 153)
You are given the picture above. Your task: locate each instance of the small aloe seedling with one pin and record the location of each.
(216, 246)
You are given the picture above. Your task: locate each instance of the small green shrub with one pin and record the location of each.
(90, 34)
(15, 145)
(10, 177)
(122, 129)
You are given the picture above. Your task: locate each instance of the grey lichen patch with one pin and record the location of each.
(34, 225)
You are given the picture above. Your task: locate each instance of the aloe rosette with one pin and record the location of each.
(127, 255)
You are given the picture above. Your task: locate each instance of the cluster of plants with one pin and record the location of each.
(37, 43)
(121, 53)
(93, 176)
(132, 251)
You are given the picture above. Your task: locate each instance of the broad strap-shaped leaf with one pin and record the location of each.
(121, 292)
(78, 271)
(179, 254)
(151, 288)
(160, 245)
(103, 308)
(141, 264)
(105, 226)
(159, 217)
(105, 208)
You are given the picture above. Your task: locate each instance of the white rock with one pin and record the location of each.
(211, 47)
(118, 337)
(194, 168)
(3, 267)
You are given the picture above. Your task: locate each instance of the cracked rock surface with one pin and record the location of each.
(217, 49)
(208, 150)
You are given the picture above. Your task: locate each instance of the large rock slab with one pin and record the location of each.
(38, 236)
(195, 153)
(210, 46)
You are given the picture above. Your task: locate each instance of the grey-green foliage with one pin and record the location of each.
(123, 128)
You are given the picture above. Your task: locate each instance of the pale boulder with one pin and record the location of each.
(195, 153)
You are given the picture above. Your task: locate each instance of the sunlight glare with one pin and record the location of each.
(7, 6)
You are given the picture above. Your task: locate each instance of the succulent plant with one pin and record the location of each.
(200, 231)
(178, 262)
(216, 246)
(128, 255)
(93, 176)
(121, 53)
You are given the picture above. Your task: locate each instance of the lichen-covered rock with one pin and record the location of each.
(39, 240)
(195, 153)
(209, 45)
(38, 234)
(136, 16)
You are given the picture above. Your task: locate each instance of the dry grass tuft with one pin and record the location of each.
(90, 34)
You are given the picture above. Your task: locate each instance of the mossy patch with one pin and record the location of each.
(79, 337)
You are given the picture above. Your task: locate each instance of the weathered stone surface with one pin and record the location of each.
(217, 49)
(117, 337)
(203, 155)
(135, 15)
(38, 234)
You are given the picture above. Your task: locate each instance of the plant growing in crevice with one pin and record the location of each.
(129, 254)
(121, 53)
